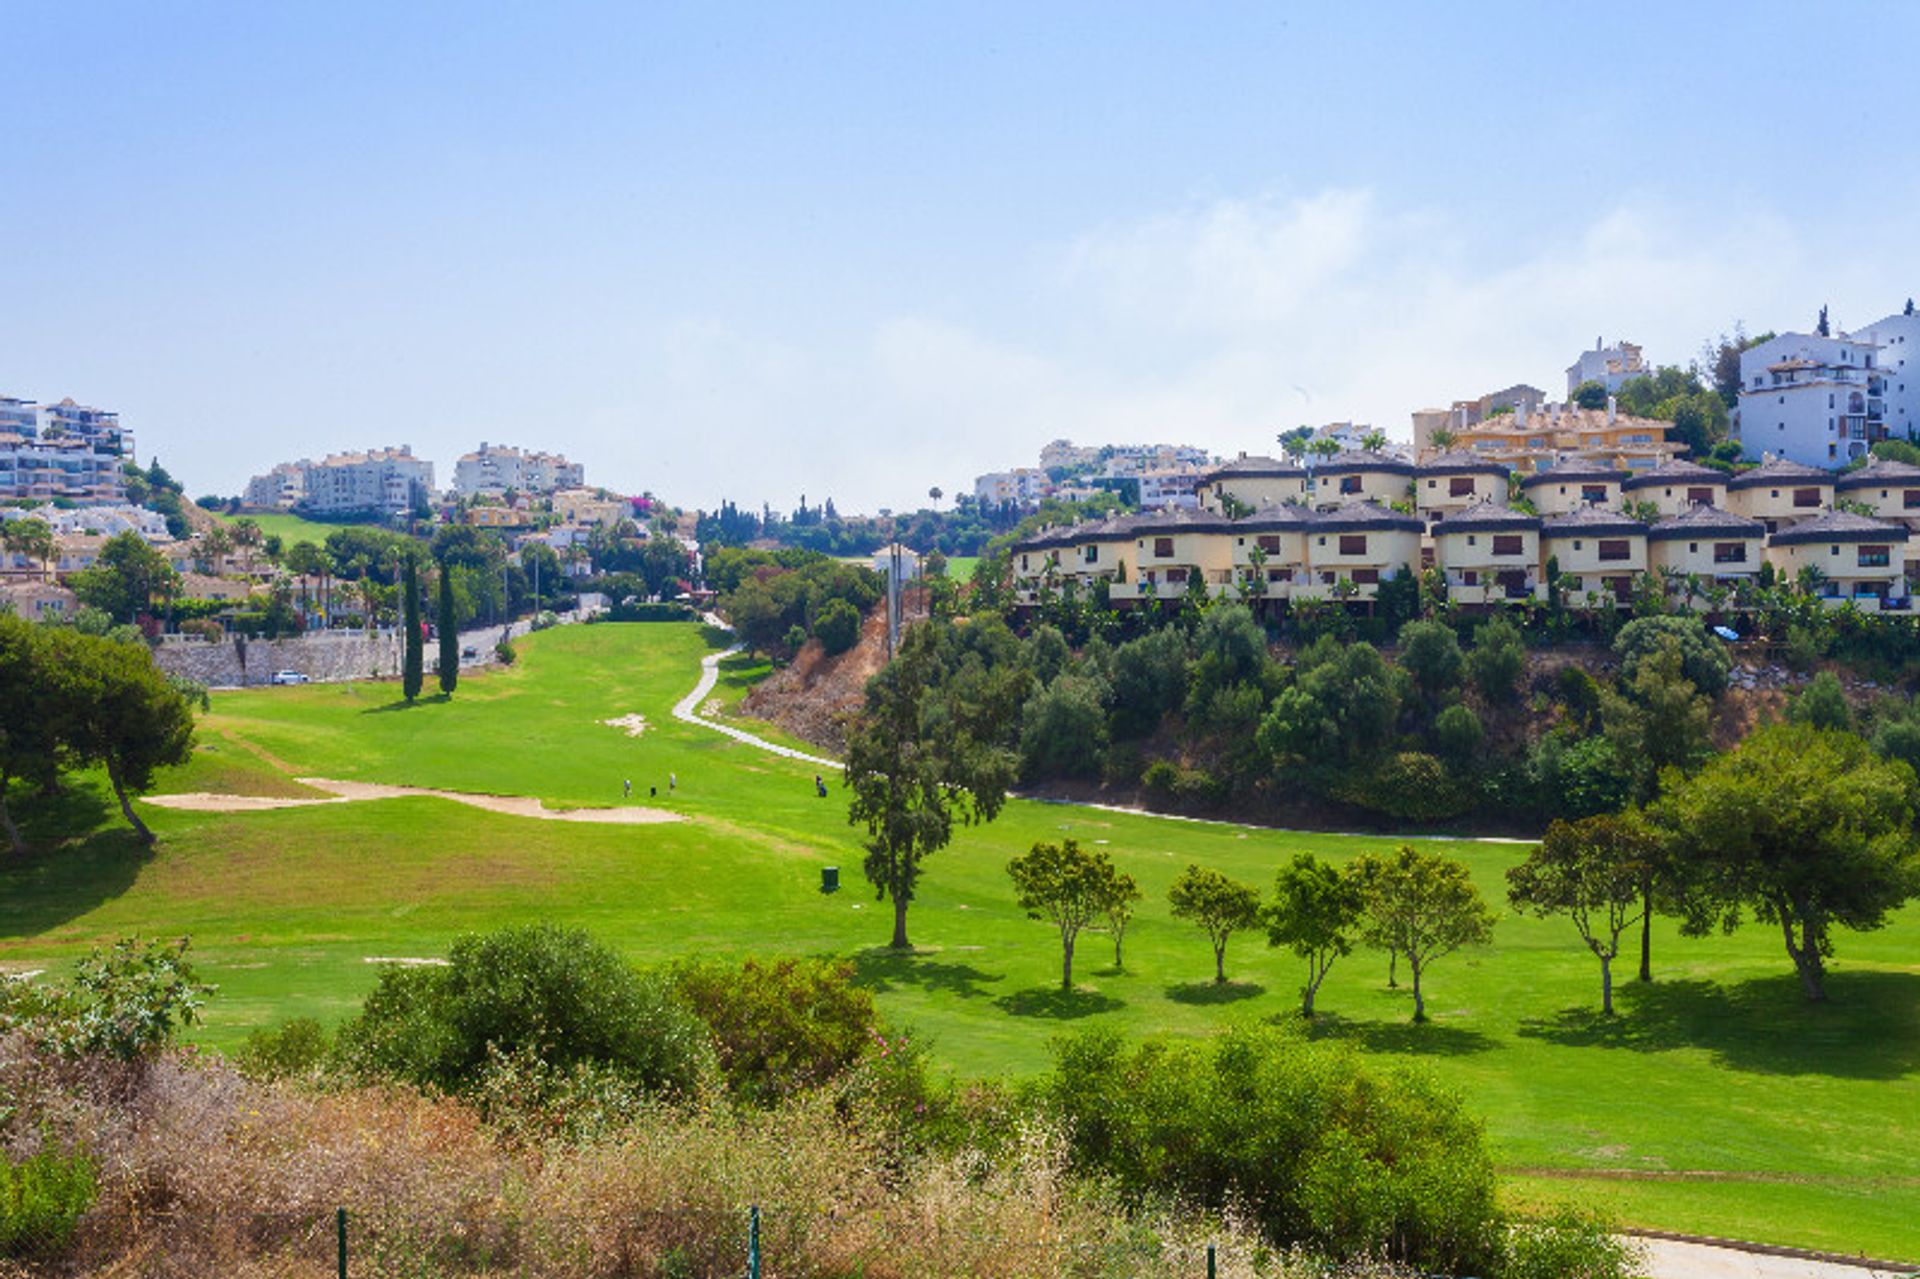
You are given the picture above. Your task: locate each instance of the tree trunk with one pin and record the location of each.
(900, 941)
(1118, 934)
(1066, 963)
(1393, 970)
(1311, 989)
(1419, 1000)
(1646, 934)
(1220, 964)
(1606, 984)
(126, 807)
(14, 841)
(1806, 958)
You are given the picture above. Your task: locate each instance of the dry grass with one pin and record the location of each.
(206, 1172)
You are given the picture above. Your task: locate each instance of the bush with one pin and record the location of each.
(1064, 730)
(781, 1027)
(1703, 658)
(796, 638)
(204, 628)
(506, 652)
(1569, 1244)
(1497, 659)
(298, 1047)
(1457, 731)
(554, 993)
(1411, 785)
(838, 627)
(1823, 704)
(42, 1200)
(642, 611)
(1319, 1148)
(125, 1001)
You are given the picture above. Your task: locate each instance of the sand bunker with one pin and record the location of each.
(632, 725)
(406, 961)
(347, 792)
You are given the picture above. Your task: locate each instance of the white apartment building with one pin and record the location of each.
(491, 470)
(1171, 488)
(1023, 486)
(64, 450)
(385, 481)
(103, 520)
(1898, 340)
(1812, 399)
(1610, 366)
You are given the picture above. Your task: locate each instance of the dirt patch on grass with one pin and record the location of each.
(339, 792)
(632, 725)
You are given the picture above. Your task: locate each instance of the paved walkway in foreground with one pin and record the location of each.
(1673, 1259)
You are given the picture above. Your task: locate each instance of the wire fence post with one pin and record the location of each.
(1210, 1269)
(753, 1242)
(340, 1241)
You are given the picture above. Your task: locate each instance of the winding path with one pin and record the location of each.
(687, 710)
(339, 792)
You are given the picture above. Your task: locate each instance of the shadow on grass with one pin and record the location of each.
(715, 637)
(402, 704)
(1868, 1028)
(881, 969)
(1056, 1004)
(1429, 1038)
(79, 855)
(1206, 993)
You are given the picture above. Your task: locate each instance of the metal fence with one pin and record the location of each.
(498, 1242)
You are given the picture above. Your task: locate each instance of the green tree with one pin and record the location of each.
(1064, 729)
(1659, 720)
(1703, 658)
(1590, 395)
(1220, 907)
(838, 627)
(1593, 871)
(1066, 885)
(920, 756)
(1822, 704)
(29, 738)
(1430, 653)
(1805, 829)
(1458, 733)
(1498, 659)
(115, 709)
(1149, 679)
(413, 656)
(31, 537)
(1341, 707)
(449, 635)
(1422, 907)
(126, 578)
(1123, 894)
(1314, 912)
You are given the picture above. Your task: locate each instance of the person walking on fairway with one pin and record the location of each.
(673, 783)
(629, 786)
(819, 786)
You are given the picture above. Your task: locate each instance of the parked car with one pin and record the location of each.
(289, 677)
(469, 654)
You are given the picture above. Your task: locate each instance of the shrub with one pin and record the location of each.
(1457, 731)
(796, 638)
(297, 1047)
(505, 651)
(1319, 1148)
(1411, 785)
(1823, 704)
(643, 611)
(204, 628)
(1569, 1244)
(1497, 659)
(554, 993)
(781, 1027)
(41, 1201)
(1703, 658)
(838, 627)
(1064, 730)
(125, 1001)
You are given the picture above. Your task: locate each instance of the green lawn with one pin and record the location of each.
(291, 529)
(1795, 1124)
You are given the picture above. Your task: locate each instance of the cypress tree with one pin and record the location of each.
(413, 661)
(449, 635)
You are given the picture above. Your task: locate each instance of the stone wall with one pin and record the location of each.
(322, 656)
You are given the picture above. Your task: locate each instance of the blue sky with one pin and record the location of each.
(859, 250)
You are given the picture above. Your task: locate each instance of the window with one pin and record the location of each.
(1620, 586)
(1874, 557)
(1093, 555)
(1163, 546)
(1507, 544)
(1176, 575)
(1023, 563)
(1700, 496)
(1269, 542)
(1349, 484)
(1806, 497)
(1353, 543)
(1469, 578)
(1460, 486)
(1614, 549)
(1729, 552)
(1279, 575)
(1366, 576)
(1592, 492)
(1910, 499)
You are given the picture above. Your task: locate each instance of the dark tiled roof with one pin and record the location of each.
(1180, 520)
(1576, 472)
(1362, 516)
(1705, 521)
(1592, 521)
(1255, 468)
(1674, 472)
(1278, 517)
(1460, 462)
(1351, 462)
(1840, 526)
(1485, 517)
(1878, 472)
(1782, 471)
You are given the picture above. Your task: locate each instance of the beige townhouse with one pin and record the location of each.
(1598, 552)
(1853, 559)
(1674, 487)
(1488, 553)
(1253, 482)
(1572, 484)
(1780, 493)
(1707, 544)
(1456, 481)
(1362, 477)
(1363, 543)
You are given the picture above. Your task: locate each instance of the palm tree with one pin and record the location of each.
(248, 537)
(1324, 447)
(936, 495)
(1373, 441)
(1442, 439)
(33, 538)
(214, 546)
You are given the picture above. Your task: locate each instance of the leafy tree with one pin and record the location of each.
(1229, 648)
(1423, 907)
(413, 657)
(1590, 395)
(781, 1027)
(1220, 907)
(1149, 679)
(922, 753)
(1804, 828)
(115, 709)
(1822, 704)
(126, 578)
(1498, 658)
(1123, 894)
(29, 737)
(1458, 733)
(1064, 729)
(1341, 707)
(1703, 658)
(1659, 720)
(1593, 871)
(1430, 653)
(553, 994)
(838, 627)
(1067, 885)
(1314, 912)
(449, 636)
